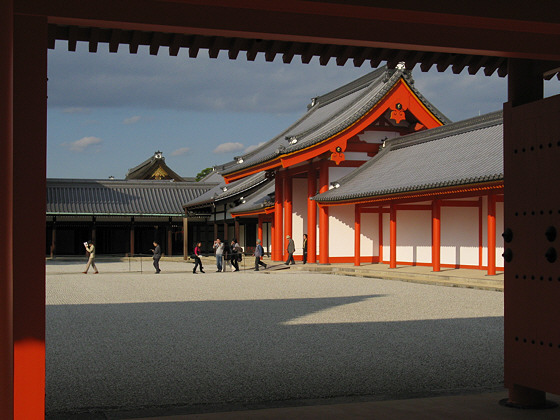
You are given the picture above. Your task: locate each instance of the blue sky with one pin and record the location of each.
(109, 112)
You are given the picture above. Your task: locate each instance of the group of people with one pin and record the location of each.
(225, 252)
(232, 252)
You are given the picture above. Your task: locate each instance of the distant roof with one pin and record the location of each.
(465, 152)
(223, 191)
(330, 114)
(258, 200)
(153, 168)
(118, 197)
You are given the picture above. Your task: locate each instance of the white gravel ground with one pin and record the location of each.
(128, 339)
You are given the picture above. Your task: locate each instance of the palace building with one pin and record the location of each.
(122, 217)
(372, 172)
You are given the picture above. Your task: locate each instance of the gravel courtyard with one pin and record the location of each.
(128, 339)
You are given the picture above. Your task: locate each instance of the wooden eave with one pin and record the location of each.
(460, 191)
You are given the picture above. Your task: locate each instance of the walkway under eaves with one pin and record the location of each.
(454, 277)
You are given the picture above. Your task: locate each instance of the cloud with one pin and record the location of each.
(229, 147)
(180, 151)
(253, 147)
(132, 120)
(80, 79)
(82, 144)
(76, 110)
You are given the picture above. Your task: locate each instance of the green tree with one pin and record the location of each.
(203, 173)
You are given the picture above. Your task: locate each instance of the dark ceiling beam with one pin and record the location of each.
(476, 64)
(235, 47)
(134, 42)
(444, 63)
(491, 66)
(308, 53)
(361, 56)
(429, 61)
(72, 38)
(176, 44)
(378, 57)
(271, 48)
(157, 38)
(93, 40)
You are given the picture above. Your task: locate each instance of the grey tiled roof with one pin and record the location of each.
(224, 191)
(466, 152)
(120, 197)
(260, 199)
(328, 115)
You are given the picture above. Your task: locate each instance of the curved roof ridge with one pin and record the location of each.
(353, 86)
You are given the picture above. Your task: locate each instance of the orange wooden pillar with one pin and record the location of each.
(287, 206)
(6, 211)
(436, 234)
(380, 227)
(29, 208)
(491, 235)
(393, 237)
(324, 215)
(259, 229)
(357, 234)
(278, 216)
(311, 215)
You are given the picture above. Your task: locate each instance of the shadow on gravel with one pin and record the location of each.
(194, 355)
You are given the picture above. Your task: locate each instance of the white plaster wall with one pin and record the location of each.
(267, 236)
(484, 224)
(341, 231)
(387, 236)
(376, 136)
(459, 235)
(336, 172)
(499, 237)
(499, 231)
(241, 238)
(369, 234)
(414, 236)
(299, 212)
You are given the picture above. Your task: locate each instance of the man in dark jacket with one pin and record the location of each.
(157, 256)
(259, 252)
(291, 249)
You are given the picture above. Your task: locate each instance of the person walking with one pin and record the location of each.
(291, 249)
(236, 251)
(305, 248)
(90, 249)
(157, 256)
(259, 252)
(197, 260)
(219, 250)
